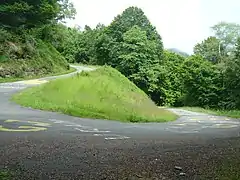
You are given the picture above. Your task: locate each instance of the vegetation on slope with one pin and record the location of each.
(104, 93)
(26, 49)
(209, 78)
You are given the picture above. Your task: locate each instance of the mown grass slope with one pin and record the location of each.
(104, 93)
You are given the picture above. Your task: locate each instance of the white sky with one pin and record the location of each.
(181, 23)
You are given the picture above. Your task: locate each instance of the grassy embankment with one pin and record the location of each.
(232, 113)
(23, 56)
(104, 93)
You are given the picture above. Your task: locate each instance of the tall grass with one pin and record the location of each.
(104, 93)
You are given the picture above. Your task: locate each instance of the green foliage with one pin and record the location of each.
(17, 14)
(28, 34)
(171, 79)
(223, 83)
(130, 17)
(113, 97)
(202, 83)
(5, 175)
(108, 44)
(210, 49)
(25, 55)
(232, 81)
(227, 33)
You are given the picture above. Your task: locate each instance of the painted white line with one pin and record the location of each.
(74, 125)
(56, 121)
(116, 138)
(91, 131)
(112, 136)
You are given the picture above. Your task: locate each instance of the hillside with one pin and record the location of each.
(104, 93)
(177, 51)
(28, 56)
(28, 43)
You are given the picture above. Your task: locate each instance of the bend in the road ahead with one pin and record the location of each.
(188, 123)
(51, 145)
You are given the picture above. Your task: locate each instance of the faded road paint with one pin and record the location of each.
(34, 126)
(23, 129)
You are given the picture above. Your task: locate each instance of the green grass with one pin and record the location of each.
(104, 93)
(3, 80)
(5, 175)
(230, 113)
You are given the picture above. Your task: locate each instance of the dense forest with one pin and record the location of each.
(34, 39)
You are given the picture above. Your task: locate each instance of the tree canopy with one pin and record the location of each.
(33, 13)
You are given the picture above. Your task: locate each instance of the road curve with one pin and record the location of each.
(45, 145)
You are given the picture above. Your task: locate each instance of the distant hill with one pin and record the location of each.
(177, 51)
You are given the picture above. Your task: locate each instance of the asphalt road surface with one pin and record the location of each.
(44, 145)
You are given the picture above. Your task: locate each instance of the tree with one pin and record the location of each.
(210, 49)
(227, 33)
(202, 82)
(121, 24)
(232, 80)
(34, 13)
(137, 55)
(172, 88)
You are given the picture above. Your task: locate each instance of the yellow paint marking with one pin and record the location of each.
(23, 129)
(33, 128)
(11, 120)
(35, 81)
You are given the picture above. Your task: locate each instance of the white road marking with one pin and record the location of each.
(116, 138)
(56, 121)
(91, 131)
(86, 129)
(112, 136)
(75, 125)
